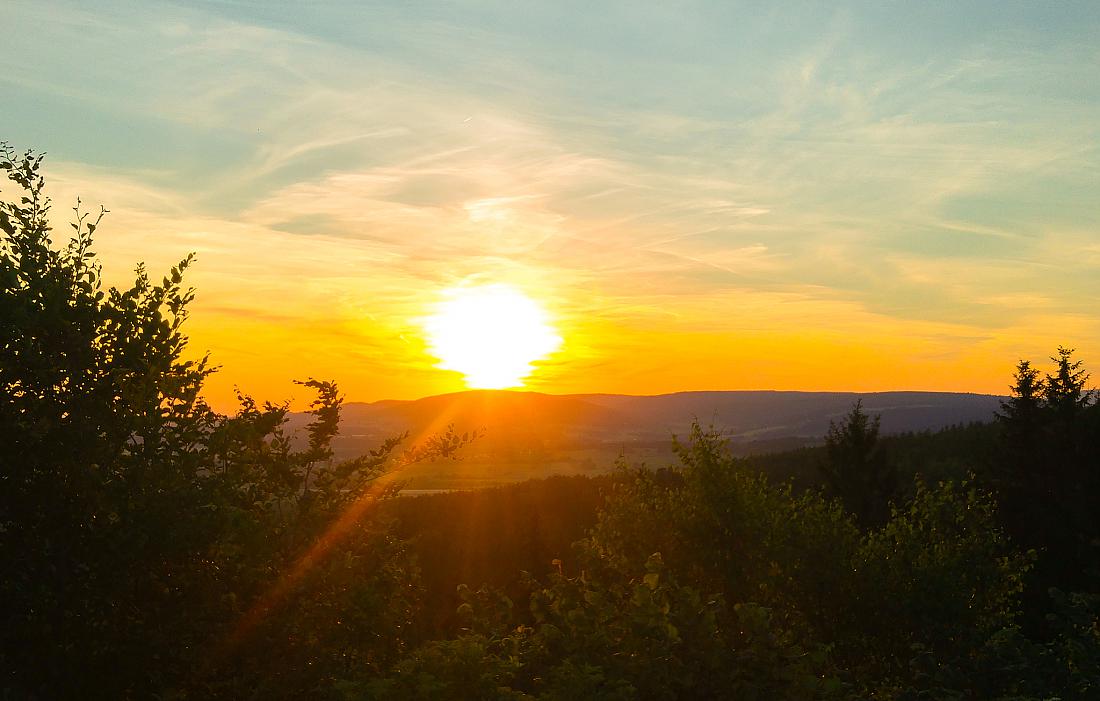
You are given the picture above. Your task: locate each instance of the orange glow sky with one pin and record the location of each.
(827, 197)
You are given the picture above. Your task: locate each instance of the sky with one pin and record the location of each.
(817, 196)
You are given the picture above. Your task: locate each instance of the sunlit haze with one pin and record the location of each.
(818, 196)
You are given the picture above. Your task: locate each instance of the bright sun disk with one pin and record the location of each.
(491, 334)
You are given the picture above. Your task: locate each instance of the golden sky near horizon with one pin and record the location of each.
(815, 198)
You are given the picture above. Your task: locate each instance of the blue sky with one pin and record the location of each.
(924, 177)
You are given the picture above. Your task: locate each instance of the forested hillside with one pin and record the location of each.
(156, 548)
(567, 430)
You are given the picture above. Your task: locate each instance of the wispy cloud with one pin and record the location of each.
(797, 169)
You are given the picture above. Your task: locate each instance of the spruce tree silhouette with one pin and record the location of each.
(856, 467)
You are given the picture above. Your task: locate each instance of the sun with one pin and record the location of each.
(492, 334)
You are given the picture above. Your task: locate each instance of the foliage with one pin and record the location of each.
(103, 501)
(638, 637)
(1021, 411)
(152, 545)
(1009, 666)
(1048, 475)
(488, 536)
(819, 610)
(1064, 392)
(939, 574)
(857, 470)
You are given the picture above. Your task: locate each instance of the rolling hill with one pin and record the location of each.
(529, 434)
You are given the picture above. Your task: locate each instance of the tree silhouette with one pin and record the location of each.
(100, 425)
(1021, 412)
(1048, 472)
(856, 467)
(138, 525)
(1064, 391)
(1066, 401)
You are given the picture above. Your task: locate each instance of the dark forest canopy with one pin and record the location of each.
(155, 548)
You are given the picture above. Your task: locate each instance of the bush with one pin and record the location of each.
(147, 538)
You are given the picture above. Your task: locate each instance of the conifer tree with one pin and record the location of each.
(1064, 391)
(856, 467)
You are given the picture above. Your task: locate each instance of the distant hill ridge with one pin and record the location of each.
(760, 415)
